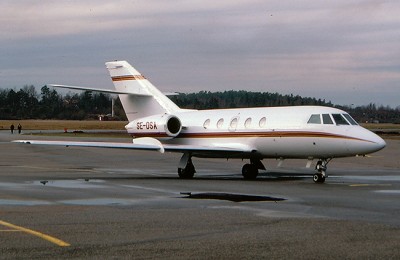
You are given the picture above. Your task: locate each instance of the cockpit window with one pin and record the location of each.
(339, 119)
(350, 119)
(314, 119)
(327, 119)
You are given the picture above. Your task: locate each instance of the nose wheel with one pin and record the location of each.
(320, 175)
(318, 178)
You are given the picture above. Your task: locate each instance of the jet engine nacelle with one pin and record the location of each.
(159, 126)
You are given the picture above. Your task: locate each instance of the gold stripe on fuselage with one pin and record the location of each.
(272, 134)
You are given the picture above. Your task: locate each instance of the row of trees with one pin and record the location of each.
(26, 103)
(49, 104)
(237, 99)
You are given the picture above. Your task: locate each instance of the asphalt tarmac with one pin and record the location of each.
(58, 202)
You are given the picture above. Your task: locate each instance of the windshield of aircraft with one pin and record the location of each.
(330, 119)
(350, 119)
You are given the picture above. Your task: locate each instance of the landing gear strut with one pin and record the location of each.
(188, 171)
(320, 175)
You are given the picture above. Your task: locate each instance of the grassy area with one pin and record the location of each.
(70, 125)
(381, 126)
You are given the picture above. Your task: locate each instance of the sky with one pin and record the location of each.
(343, 51)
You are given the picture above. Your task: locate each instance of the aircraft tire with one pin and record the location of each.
(318, 178)
(186, 173)
(249, 171)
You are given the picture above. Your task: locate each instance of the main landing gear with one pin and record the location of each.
(186, 168)
(188, 171)
(320, 175)
(250, 170)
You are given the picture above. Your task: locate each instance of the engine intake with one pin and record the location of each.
(174, 125)
(159, 126)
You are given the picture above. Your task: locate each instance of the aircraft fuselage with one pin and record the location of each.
(271, 132)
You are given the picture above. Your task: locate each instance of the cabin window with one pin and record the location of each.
(327, 119)
(339, 119)
(350, 119)
(314, 119)
(263, 122)
(247, 123)
(234, 122)
(220, 123)
(206, 124)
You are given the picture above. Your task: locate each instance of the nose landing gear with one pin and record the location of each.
(320, 175)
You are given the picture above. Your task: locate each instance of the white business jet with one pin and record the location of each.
(301, 132)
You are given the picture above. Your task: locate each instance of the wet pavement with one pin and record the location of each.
(108, 203)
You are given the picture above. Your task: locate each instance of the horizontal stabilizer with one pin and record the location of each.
(109, 91)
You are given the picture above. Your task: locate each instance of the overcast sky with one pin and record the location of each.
(344, 51)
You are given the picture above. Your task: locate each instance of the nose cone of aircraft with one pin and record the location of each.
(379, 143)
(376, 143)
(365, 141)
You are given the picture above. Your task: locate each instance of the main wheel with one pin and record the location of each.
(187, 172)
(249, 171)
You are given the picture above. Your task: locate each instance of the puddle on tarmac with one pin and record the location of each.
(100, 202)
(388, 191)
(230, 197)
(71, 184)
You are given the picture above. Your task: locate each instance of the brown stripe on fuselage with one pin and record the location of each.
(272, 134)
(153, 135)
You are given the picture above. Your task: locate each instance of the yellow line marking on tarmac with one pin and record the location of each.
(35, 233)
(369, 185)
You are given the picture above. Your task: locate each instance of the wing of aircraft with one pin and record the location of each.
(152, 144)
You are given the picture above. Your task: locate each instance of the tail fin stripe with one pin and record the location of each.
(130, 77)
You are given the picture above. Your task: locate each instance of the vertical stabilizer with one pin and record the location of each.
(145, 99)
